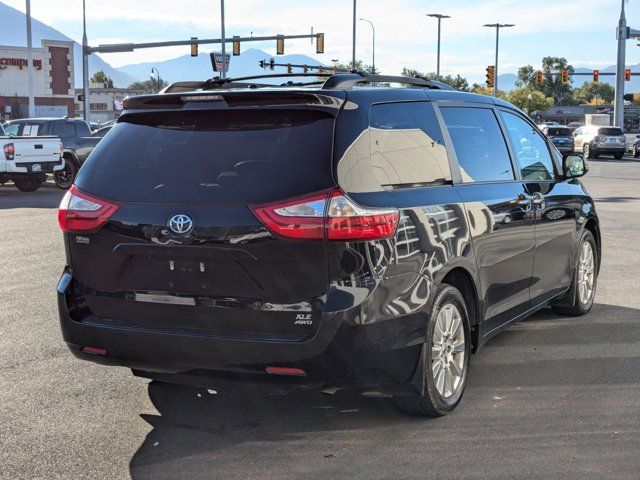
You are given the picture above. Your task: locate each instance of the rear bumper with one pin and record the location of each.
(564, 149)
(606, 148)
(342, 353)
(30, 167)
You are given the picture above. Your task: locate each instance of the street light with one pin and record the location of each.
(439, 17)
(497, 26)
(373, 55)
(158, 74)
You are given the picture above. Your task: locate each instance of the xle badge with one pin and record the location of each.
(303, 319)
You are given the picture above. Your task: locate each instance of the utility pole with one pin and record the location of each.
(85, 64)
(223, 74)
(622, 34)
(439, 17)
(498, 26)
(158, 74)
(373, 54)
(32, 104)
(353, 43)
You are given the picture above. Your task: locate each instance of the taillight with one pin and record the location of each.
(9, 151)
(80, 212)
(328, 215)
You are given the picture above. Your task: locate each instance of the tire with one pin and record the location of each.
(64, 178)
(28, 184)
(635, 152)
(446, 369)
(581, 300)
(618, 156)
(586, 150)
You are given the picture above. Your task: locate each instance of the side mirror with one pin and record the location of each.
(575, 166)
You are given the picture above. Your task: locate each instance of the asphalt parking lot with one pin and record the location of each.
(551, 397)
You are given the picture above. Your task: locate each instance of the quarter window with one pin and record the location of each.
(531, 151)
(407, 147)
(479, 145)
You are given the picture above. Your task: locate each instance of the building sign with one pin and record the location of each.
(218, 63)
(98, 106)
(18, 62)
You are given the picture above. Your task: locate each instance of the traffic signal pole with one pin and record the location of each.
(622, 35)
(497, 26)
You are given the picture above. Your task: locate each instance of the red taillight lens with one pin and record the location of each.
(9, 151)
(80, 212)
(328, 215)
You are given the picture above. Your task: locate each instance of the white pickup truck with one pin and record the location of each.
(27, 160)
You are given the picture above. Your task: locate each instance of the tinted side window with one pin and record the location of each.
(82, 129)
(530, 148)
(63, 128)
(407, 145)
(479, 145)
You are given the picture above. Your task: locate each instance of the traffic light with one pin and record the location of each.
(261, 63)
(565, 76)
(236, 46)
(320, 43)
(491, 76)
(596, 76)
(539, 77)
(272, 63)
(280, 45)
(320, 70)
(289, 68)
(194, 47)
(627, 75)
(305, 69)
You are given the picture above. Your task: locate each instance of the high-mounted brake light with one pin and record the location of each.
(329, 215)
(80, 212)
(9, 151)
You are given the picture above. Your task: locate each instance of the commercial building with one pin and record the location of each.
(568, 114)
(104, 103)
(53, 80)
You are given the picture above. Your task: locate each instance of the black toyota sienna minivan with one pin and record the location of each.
(230, 234)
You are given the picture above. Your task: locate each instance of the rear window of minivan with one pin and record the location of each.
(213, 156)
(610, 131)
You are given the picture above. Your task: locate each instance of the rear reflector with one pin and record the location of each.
(286, 371)
(94, 351)
(80, 212)
(329, 215)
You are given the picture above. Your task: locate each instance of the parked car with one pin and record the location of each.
(101, 132)
(561, 137)
(76, 140)
(594, 141)
(634, 147)
(26, 161)
(399, 230)
(574, 125)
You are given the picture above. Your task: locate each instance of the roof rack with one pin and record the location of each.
(345, 81)
(334, 81)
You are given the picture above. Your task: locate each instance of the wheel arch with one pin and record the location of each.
(462, 279)
(71, 155)
(593, 226)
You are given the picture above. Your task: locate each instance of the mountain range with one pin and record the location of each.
(13, 32)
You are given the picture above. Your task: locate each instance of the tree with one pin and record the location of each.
(458, 82)
(526, 77)
(101, 77)
(149, 86)
(488, 91)
(595, 93)
(529, 100)
(360, 67)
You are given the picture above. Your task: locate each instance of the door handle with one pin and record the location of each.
(523, 201)
(537, 198)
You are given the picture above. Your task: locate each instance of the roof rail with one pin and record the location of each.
(334, 81)
(345, 81)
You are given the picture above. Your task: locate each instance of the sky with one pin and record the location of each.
(583, 32)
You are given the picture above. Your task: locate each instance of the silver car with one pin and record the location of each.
(593, 141)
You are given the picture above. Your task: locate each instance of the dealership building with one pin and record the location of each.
(53, 80)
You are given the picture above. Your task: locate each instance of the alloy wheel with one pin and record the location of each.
(448, 351)
(586, 273)
(64, 177)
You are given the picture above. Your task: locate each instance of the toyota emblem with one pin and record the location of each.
(180, 224)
